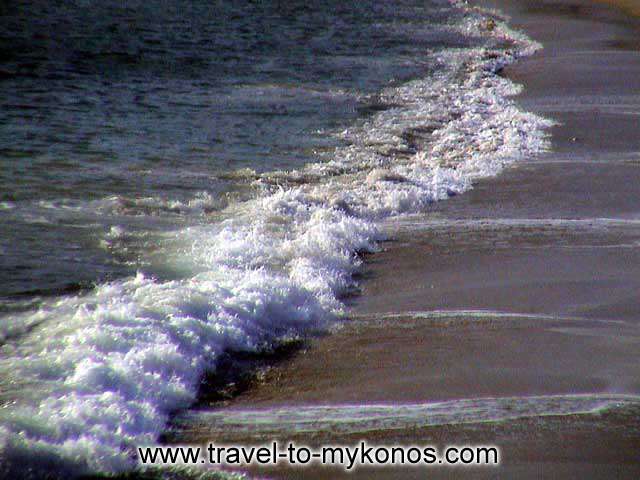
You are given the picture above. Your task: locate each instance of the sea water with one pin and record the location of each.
(180, 180)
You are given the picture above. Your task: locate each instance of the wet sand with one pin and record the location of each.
(528, 285)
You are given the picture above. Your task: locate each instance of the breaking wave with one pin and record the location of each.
(101, 372)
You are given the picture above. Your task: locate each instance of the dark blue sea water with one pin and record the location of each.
(121, 113)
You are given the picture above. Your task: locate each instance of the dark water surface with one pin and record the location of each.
(129, 115)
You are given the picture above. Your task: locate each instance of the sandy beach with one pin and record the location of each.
(526, 286)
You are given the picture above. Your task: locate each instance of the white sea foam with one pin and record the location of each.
(102, 372)
(540, 225)
(448, 318)
(200, 203)
(348, 419)
(18, 324)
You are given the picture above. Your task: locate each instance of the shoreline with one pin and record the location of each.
(538, 270)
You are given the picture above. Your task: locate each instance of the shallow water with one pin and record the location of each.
(344, 420)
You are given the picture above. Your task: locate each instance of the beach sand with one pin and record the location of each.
(525, 286)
